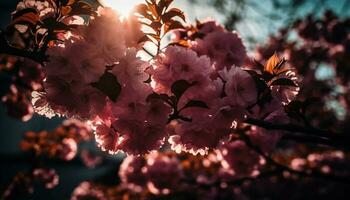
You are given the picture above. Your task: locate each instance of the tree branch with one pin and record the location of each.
(311, 174)
(308, 134)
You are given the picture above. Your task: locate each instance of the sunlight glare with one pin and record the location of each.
(123, 7)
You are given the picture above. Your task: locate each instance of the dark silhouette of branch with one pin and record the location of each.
(307, 134)
(309, 173)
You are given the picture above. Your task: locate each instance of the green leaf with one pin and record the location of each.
(196, 103)
(179, 88)
(284, 82)
(108, 85)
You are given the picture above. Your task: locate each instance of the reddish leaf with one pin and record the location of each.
(156, 25)
(182, 43)
(174, 12)
(26, 16)
(82, 8)
(284, 82)
(172, 25)
(143, 39)
(142, 9)
(272, 63)
(164, 4)
(152, 7)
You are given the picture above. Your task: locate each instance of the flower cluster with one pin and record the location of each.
(159, 173)
(62, 143)
(320, 53)
(23, 77)
(234, 171)
(193, 93)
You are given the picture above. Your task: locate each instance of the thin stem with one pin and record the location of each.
(148, 52)
(311, 174)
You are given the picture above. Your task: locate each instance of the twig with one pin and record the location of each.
(279, 166)
(311, 134)
(148, 52)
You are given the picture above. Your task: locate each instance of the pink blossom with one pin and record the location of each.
(90, 159)
(67, 150)
(238, 157)
(240, 87)
(223, 48)
(163, 173)
(61, 63)
(48, 177)
(84, 101)
(130, 70)
(18, 106)
(132, 172)
(87, 190)
(107, 138)
(132, 27)
(203, 133)
(139, 137)
(106, 36)
(271, 112)
(79, 129)
(31, 74)
(141, 125)
(210, 26)
(88, 65)
(178, 63)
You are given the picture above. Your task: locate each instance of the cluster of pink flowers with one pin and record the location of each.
(160, 173)
(62, 143)
(48, 177)
(193, 95)
(26, 76)
(87, 191)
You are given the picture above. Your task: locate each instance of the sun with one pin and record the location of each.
(123, 7)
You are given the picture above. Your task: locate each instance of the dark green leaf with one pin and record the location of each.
(196, 103)
(259, 65)
(284, 82)
(152, 96)
(179, 88)
(267, 76)
(109, 85)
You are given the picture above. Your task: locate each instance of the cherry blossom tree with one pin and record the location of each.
(201, 118)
